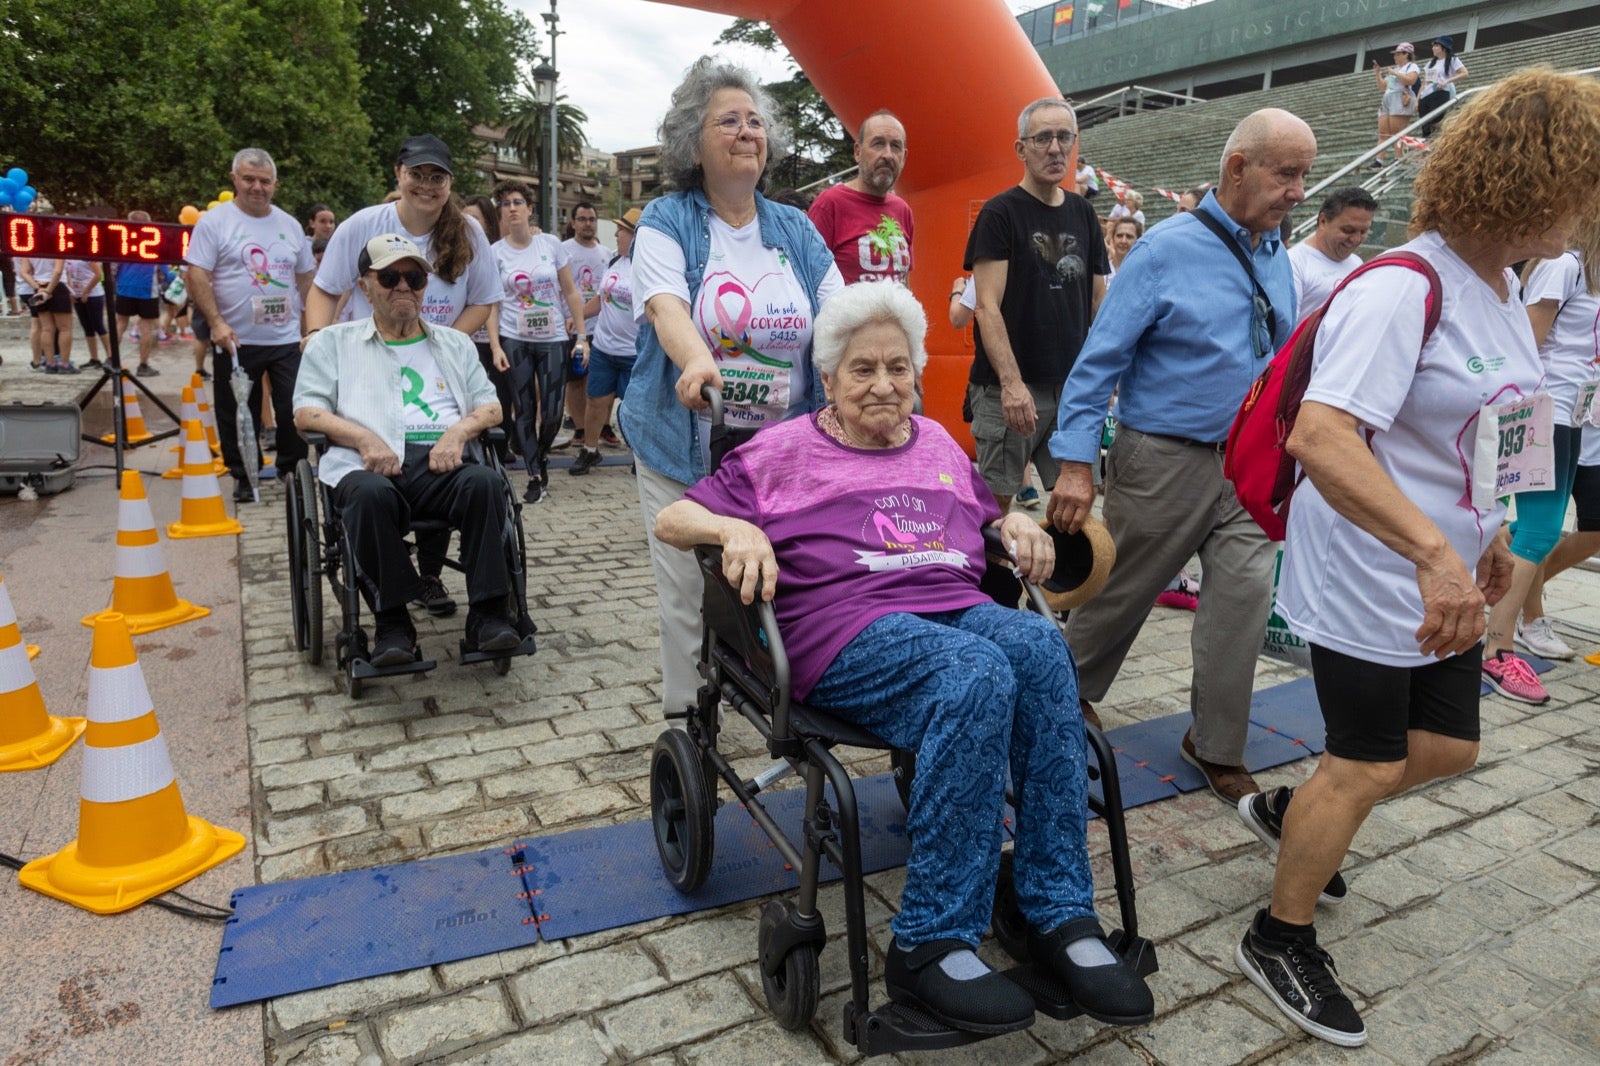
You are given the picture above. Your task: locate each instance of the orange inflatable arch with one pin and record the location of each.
(956, 72)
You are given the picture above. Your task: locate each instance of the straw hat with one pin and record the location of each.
(1083, 562)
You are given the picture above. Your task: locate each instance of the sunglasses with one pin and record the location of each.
(389, 277)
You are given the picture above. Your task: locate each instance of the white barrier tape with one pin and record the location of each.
(201, 486)
(8, 614)
(140, 560)
(127, 772)
(118, 694)
(15, 671)
(135, 516)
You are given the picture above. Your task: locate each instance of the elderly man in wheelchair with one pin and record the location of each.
(402, 404)
(870, 520)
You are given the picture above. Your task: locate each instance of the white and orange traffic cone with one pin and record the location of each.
(203, 513)
(135, 840)
(142, 589)
(202, 400)
(30, 737)
(188, 411)
(132, 417)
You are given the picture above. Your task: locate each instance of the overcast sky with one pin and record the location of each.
(619, 60)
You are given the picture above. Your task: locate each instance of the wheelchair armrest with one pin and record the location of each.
(994, 550)
(495, 435)
(751, 630)
(317, 440)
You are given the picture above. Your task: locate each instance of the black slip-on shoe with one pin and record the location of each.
(988, 1004)
(1113, 993)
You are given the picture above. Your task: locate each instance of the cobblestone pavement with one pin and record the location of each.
(1471, 933)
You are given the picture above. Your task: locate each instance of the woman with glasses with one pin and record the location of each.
(461, 291)
(726, 285)
(529, 335)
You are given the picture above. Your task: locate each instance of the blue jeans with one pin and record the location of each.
(973, 692)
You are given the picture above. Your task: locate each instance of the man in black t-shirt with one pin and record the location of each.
(1038, 260)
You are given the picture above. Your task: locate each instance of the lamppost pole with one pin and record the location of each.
(552, 207)
(544, 87)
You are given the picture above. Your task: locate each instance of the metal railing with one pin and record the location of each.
(1101, 108)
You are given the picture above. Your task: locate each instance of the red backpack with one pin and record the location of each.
(1263, 473)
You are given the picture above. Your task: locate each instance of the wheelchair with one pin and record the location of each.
(318, 548)
(744, 665)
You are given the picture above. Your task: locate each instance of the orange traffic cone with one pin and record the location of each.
(132, 417)
(135, 840)
(188, 411)
(203, 402)
(142, 589)
(30, 737)
(203, 514)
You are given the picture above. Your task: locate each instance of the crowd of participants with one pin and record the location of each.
(410, 327)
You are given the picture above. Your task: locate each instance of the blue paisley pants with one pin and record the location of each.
(973, 693)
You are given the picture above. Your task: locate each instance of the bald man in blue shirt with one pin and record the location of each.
(1200, 304)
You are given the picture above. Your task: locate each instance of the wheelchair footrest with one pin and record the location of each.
(527, 647)
(895, 1027)
(363, 670)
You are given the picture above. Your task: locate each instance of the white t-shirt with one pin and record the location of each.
(1340, 587)
(751, 310)
(1121, 211)
(1434, 71)
(588, 266)
(253, 263)
(427, 407)
(1572, 348)
(616, 331)
(442, 302)
(1316, 276)
(531, 305)
(78, 274)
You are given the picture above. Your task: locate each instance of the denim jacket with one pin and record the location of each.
(665, 435)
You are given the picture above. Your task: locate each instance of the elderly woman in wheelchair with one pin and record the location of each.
(871, 518)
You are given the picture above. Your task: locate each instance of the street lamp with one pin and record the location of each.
(544, 90)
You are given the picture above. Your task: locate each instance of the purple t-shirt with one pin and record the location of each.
(858, 533)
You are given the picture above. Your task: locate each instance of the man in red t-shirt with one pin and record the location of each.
(866, 225)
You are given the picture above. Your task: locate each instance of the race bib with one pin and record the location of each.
(1514, 449)
(1586, 410)
(754, 395)
(535, 321)
(271, 310)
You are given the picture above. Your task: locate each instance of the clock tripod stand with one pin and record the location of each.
(112, 371)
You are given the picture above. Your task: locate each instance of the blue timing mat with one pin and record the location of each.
(297, 935)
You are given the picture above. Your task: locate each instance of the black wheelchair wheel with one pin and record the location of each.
(1010, 928)
(793, 991)
(903, 764)
(305, 593)
(681, 810)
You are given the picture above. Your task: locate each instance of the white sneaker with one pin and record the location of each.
(1539, 638)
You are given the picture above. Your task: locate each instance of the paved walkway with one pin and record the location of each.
(1471, 932)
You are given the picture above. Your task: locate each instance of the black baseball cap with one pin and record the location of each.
(425, 149)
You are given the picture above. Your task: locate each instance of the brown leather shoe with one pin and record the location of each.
(1230, 783)
(1089, 717)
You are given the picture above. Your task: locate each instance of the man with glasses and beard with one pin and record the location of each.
(867, 227)
(1200, 304)
(1038, 262)
(403, 402)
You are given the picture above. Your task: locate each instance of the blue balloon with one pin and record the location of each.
(8, 186)
(5, 198)
(22, 200)
(18, 176)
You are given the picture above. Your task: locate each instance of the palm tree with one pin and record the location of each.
(526, 123)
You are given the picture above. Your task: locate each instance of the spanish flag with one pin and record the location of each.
(1063, 14)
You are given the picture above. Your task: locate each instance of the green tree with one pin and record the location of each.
(526, 123)
(440, 67)
(819, 141)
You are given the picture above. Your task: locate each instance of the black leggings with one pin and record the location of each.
(538, 378)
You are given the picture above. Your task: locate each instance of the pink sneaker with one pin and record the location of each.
(1186, 597)
(1511, 676)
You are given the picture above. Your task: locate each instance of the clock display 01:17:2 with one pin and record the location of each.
(100, 239)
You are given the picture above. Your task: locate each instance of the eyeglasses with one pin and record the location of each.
(1263, 325)
(389, 277)
(437, 179)
(516, 201)
(731, 125)
(1042, 139)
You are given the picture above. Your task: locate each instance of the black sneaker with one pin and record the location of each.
(394, 639)
(490, 631)
(988, 1004)
(434, 599)
(147, 371)
(609, 436)
(242, 492)
(586, 461)
(567, 424)
(1263, 813)
(1113, 993)
(94, 364)
(1301, 979)
(536, 492)
(205, 375)
(68, 368)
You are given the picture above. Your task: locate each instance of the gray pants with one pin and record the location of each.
(1164, 502)
(678, 594)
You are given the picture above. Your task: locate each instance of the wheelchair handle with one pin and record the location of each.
(713, 396)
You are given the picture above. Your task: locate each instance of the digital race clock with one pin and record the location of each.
(109, 240)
